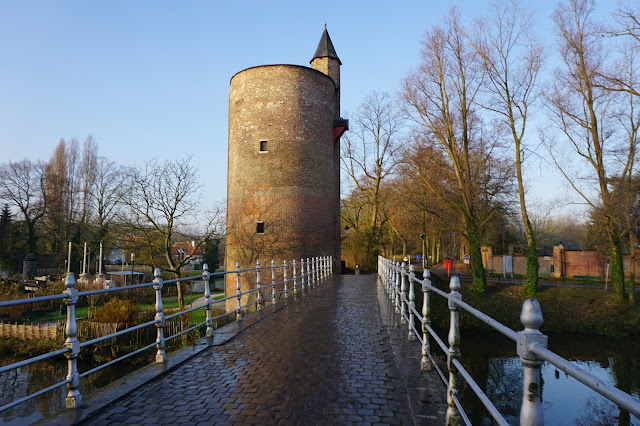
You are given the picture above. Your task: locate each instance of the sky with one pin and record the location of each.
(150, 79)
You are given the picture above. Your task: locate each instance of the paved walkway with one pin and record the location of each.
(328, 357)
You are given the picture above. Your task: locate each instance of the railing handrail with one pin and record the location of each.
(530, 345)
(314, 269)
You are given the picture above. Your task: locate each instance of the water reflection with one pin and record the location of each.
(16, 384)
(492, 361)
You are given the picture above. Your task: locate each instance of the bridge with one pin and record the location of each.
(318, 348)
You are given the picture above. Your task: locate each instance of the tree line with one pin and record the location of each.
(445, 157)
(80, 196)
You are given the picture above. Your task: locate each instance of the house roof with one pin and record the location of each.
(187, 248)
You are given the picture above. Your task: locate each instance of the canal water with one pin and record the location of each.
(491, 359)
(23, 381)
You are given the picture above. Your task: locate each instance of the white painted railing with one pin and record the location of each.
(531, 346)
(312, 271)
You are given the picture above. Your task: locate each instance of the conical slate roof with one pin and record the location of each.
(325, 47)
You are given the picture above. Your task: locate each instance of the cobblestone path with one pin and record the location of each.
(326, 358)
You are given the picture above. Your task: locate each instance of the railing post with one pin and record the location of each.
(313, 269)
(157, 286)
(207, 295)
(273, 281)
(308, 268)
(426, 320)
(396, 278)
(412, 302)
(403, 288)
(531, 318)
(284, 278)
(74, 398)
(302, 274)
(389, 278)
(239, 293)
(295, 283)
(324, 267)
(258, 286)
(453, 415)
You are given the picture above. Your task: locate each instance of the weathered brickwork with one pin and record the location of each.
(289, 181)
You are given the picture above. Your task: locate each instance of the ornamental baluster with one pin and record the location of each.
(426, 320)
(531, 318)
(295, 283)
(302, 274)
(412, 302)
(207, 295)
(308, 269)
(453, 415)
(403, 289)
(157, 286)
(258, 286)
(74, 398)
(396, 293)
(239, 293)
(314, 269)
(286, 291)
(273, 281)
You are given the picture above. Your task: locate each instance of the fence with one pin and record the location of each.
(531, 346)
(311, 271)
(27, 331)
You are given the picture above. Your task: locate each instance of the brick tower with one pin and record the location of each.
(283, 190)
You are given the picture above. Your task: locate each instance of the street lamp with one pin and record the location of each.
(423, 260)
(133, 258)
(346, 230)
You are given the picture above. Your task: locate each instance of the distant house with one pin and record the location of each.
(183, 250)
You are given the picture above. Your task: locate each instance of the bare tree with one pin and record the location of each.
(161, 200)
(368, 158)
(440, 98)
(583, 111)
(512, 58)
(23, 185)
(108, 177)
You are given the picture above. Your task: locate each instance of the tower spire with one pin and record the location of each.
(325, 47)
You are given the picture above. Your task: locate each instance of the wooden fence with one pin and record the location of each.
(28, 331)
(90, 330)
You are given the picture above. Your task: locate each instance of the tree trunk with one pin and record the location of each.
(617, 269)
(632, 267)
(475, 254)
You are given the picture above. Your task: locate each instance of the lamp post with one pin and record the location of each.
(133, 258)
(423, 260)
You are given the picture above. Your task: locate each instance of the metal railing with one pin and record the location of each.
(312, 271)
(531, 346)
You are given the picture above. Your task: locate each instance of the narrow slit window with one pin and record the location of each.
(260, 227)
(263, 146)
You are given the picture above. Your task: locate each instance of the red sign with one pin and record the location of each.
(448, 264)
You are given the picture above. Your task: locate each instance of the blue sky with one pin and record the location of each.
(150, 79)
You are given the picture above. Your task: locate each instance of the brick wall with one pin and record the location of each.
(291, 187)
(576, 263)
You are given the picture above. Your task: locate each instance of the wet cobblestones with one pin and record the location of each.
(327, 358)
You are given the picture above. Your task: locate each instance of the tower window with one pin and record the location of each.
(260, 228)
(263, 146)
